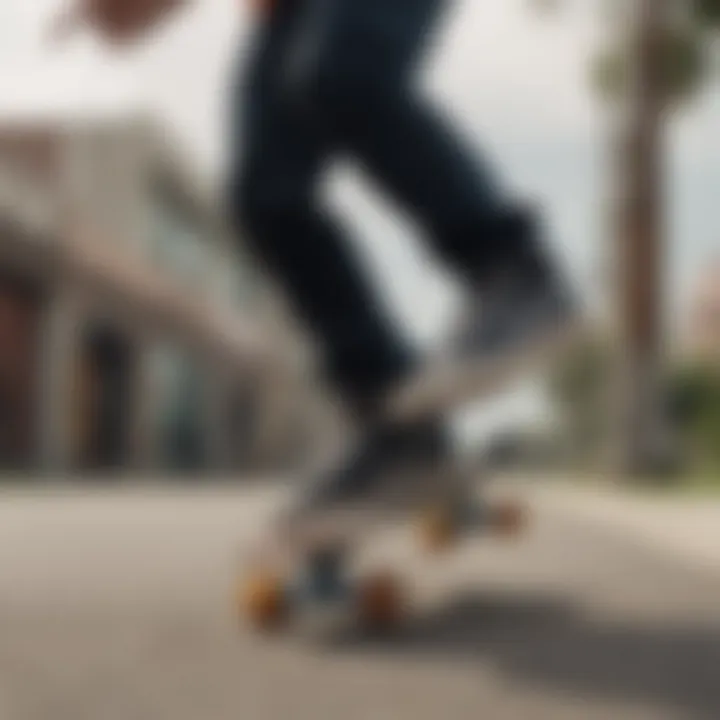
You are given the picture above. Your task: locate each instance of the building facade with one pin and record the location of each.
(702, 332)
(133, 333)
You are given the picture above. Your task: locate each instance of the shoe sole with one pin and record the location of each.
(452, 384)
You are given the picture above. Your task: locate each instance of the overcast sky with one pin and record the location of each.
(516, 83)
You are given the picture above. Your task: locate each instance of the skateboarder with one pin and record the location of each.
(338, 78)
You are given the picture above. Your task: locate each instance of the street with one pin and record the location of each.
(117, 604)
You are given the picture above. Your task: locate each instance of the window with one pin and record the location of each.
(177, 243)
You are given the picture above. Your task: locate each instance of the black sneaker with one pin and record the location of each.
(390, 470)
(393, 472)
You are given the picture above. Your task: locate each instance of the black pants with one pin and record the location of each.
(330, 77)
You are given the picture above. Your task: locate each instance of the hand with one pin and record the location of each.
(262, 8)
(116, 21)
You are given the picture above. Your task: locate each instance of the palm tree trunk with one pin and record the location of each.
(641, 440)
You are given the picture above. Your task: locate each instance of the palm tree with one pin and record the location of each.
(656, 61)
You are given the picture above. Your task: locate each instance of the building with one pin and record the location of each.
(702, 332)
(133, 333)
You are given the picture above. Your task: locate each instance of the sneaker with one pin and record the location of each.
(522, 306)
(513, 323)
(389, 470)
(514, 317)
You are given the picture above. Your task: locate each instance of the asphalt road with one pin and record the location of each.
(117, 605)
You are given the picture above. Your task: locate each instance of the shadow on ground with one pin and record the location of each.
(545, 642)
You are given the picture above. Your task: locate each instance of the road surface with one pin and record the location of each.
(117, 605)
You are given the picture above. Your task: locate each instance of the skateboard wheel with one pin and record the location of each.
(263, 600)
(379, 602)
(508, 518)
(437, 530)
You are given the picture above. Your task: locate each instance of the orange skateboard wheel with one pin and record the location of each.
(263, 601)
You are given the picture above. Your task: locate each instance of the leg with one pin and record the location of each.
(359, 82)
(274, 199)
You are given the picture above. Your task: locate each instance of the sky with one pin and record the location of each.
(516, 84)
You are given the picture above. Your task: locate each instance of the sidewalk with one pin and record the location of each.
(686, 527)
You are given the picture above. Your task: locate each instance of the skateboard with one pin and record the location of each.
(311, 581)
(313, 570)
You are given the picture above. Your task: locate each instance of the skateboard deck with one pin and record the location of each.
(348, 527)
(310, 575)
